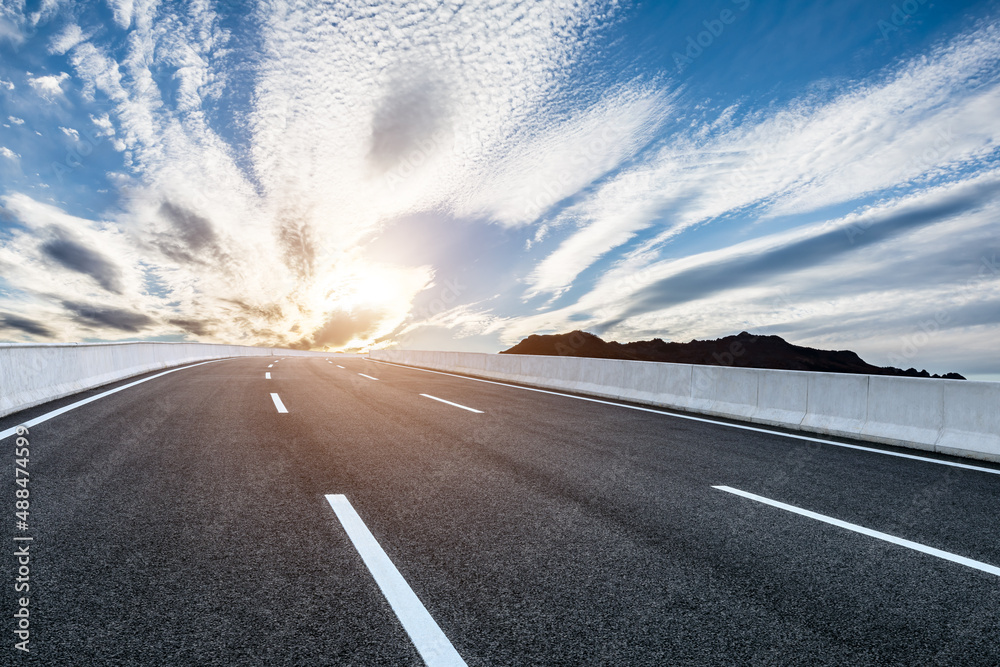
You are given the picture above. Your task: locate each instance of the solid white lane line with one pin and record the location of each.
(954, 558)
(72, 406)
(367, 376)
(339, 366)
(267, 376)
(450, 403)
(425, 633)
(278, 404)
(705, 420)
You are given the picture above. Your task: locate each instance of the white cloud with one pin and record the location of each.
(45, 10)
(884, 290)
(71, 36)
(9, 154)
(10, 31)
(16, 120)
(49, 86)
(931, 117)
(70, 132)
(59, 258)
(122, 11)
(106, 128)
(542, 169)
(104, 125)
(363, 115)
(607, 220)
(9, 85)
(327, 134)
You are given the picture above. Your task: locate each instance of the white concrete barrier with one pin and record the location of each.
(910, 409)
(949, 416)
(836, 404)
(971, 419)
(34, 374)
(782, 398)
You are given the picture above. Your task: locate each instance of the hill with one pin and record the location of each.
(743, 350)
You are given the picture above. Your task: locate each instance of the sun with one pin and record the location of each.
(372, 289)
(376, 297)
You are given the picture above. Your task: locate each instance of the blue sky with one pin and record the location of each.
(459, 175)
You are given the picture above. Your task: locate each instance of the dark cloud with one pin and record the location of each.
(114, 318)
(9, 321)
(406, 120)
(704, 281)
(196, 327)
(341, 327)
(297, 245)
(77, 257)
(920, 316)
(193, 230)
(271, 312)
(193, 239)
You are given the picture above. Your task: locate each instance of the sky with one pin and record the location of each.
(460, 175)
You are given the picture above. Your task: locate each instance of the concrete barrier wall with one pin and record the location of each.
(33, 374)
(950, 416)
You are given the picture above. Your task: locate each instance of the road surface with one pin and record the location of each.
(190, 519)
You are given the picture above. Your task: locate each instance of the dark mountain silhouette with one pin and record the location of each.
(744, 350)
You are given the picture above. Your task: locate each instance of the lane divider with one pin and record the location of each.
(73, 406)
(367, 376)
(705, 420)
(267, 376)
(278, 404)
(339, 366)
(954, 558)
(430, 642)
(435, 398)
(270, 365)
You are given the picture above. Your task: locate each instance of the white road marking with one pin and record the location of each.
(270, 365)
(278, 404)
(339, 366)
(705, 420)
(367, 376)
(267, 376)
(427, 637)
(72, 406)
(961, 560)
(450, 403)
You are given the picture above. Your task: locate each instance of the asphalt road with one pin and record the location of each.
(184, 521)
